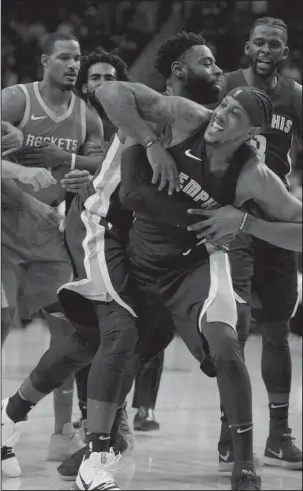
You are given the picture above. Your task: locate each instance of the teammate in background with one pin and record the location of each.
(56, 126)
(270, 270)
(96, 68)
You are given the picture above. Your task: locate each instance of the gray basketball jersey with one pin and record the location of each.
(40, 124)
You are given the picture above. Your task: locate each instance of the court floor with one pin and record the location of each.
(182, 455)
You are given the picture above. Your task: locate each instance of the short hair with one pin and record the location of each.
(50, 40)
(271, 22)
(266, 104)
(99, 55)
(173, 48)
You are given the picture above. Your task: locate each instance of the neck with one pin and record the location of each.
(176, 88)
(54, 94)
(266, 84)
(220, 155)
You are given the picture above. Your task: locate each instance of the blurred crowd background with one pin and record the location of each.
(135, 29)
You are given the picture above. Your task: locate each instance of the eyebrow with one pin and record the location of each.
(209, 58)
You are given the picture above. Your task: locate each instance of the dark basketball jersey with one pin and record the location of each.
(200, 188)
(40, 124)
(274, 144)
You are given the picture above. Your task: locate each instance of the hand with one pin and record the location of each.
(47, 155)
(164, 168)
(37, 176)
(11, 138)
(75, 180)
(43, 212)
(221, 226)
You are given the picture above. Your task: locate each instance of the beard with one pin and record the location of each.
(202, 91)
(272, 69)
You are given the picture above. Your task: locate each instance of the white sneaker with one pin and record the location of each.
(10, 435)
(97, 472)
(63, 446)
(9, 463)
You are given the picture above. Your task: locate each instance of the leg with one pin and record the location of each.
(242, 268)
(81, 382)
(276, 285)
(119, 336)
(146, 390)
(212, 306)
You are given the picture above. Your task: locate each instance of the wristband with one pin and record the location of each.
(151, 142)
(73, 162)
(243, 221)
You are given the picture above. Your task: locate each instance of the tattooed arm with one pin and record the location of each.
(142, 112)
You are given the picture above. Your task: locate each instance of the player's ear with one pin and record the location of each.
(44, 60)
(285, 53)
(177, 69)
(246, 48)
(84, 89)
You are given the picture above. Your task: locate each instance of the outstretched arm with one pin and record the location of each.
(223, 223)
(142, 112)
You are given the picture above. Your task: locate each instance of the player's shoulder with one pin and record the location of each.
(13, 103)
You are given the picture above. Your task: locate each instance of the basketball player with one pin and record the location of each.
(182, 70)
(77, 351)
(47, 111)
(156, 255)
(272, 271)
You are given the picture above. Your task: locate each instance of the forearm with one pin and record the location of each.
(9, 170)
(12, 195)
(121, 108)
(280, 234)
(91, 164)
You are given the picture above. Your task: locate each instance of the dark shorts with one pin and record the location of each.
(192, 290)
(265, 276)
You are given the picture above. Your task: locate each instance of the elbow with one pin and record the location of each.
(108, 91)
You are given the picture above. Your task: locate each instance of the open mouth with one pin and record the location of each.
(264, 63)
(216, 126)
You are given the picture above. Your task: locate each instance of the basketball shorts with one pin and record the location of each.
(193, 291)
(34, 261)
(103, 274)
(265, 276)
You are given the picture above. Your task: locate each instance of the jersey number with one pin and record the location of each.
(259, 142)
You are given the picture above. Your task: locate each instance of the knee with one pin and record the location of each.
(275, 334)
(225, 345)
(122, 337)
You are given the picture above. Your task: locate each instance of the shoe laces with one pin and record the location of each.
(288, 442)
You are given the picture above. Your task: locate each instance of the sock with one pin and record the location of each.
(83, 409)
(278, 416)
(18, 408)
(242, 436)
(63, 404)
(225, 435)
(97, 442)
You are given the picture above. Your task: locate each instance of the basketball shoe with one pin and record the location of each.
(246, 480)
(68, 470)
(280, 450)
(97, 472)
(64, 445)
(10, 435)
